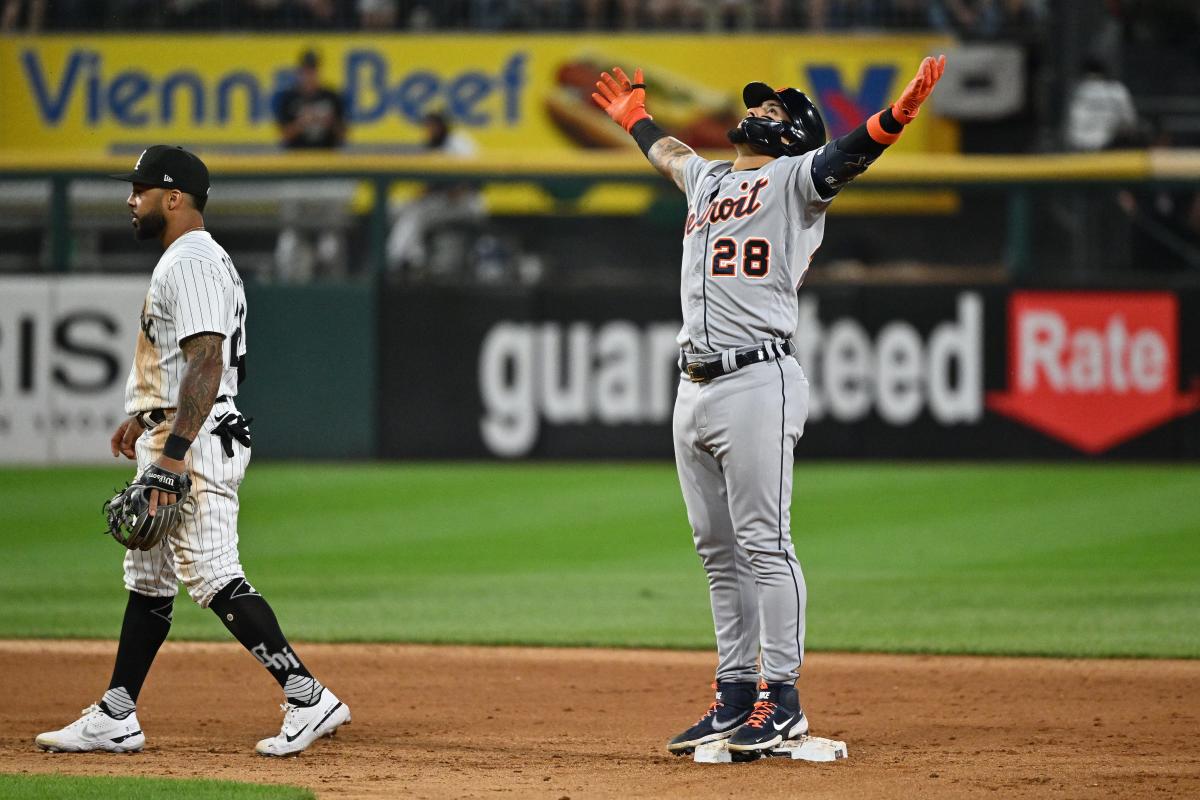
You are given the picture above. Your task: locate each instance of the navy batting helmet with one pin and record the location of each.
(805, 131)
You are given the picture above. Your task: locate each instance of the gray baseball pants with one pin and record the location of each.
(734, 442)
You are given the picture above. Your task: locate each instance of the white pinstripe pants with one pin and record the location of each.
(202, 552)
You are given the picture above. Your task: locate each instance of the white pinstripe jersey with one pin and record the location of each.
(194, 289)
(747, 243)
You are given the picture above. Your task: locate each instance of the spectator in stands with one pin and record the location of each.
(722, 15)
(984, 19)
(456, 208)
(606, 14)
(685, 14)
(378, 14)
(1165, 222)
(197, 14)
(11, 18)
(309, 114)
(494, 15)
(1100, 112)
(907, 15)
(322, 13)
(843, 14)
(441, 138)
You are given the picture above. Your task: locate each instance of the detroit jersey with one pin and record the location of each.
(749, 237)
(194, 289)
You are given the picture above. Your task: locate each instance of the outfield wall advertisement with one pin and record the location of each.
(895, 372)
(508, 93)
(65, 346)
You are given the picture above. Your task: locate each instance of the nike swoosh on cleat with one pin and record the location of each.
(293, 737)
(782, 725)
(722, 725)
(327, 716)
(119, 739)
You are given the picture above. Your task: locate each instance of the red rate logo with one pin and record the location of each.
(1093, 369)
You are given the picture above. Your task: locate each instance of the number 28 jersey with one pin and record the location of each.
(747, 243)
(194, 289)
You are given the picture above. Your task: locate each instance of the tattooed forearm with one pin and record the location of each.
(200, 383)
(668, 156)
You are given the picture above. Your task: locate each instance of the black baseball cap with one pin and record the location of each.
(757, 93)
(170, 167)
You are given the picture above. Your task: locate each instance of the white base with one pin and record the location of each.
(806, 748)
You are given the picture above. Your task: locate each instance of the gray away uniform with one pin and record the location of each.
(748, 240)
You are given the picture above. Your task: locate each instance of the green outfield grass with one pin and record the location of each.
(48, 787)
(1095, 560)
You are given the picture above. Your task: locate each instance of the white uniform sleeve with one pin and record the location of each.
(805, 206)
(201, 298)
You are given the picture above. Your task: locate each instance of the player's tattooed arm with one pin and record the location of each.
(200, 382)
(198, 387)
(668, 155)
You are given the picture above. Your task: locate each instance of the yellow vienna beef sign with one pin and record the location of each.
(114, 94)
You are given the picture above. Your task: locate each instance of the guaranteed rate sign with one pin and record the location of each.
(1093, 369)
(893, 372)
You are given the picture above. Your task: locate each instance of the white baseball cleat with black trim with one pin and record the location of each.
(95, 731)
(303, 725)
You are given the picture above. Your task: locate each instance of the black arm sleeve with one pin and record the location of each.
(645, 132)
(847, 157)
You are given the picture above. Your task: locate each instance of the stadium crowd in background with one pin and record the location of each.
(966, 19)
(969, 18)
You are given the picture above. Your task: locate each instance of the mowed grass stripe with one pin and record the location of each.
(47, 787)
(1069, 560)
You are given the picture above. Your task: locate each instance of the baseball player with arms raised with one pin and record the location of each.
(752, 228)
(192, 447)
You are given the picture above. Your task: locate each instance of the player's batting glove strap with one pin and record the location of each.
(232, 428)
(128, 512)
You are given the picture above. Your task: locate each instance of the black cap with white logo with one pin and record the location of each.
(170, 168)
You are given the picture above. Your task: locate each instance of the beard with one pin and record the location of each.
(149, 226)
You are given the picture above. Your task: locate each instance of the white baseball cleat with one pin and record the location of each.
(94, 731)
(304, 725)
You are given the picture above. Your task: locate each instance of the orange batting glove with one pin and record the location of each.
(621, 99)
(905, 109)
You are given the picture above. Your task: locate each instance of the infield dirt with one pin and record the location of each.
(576, 723)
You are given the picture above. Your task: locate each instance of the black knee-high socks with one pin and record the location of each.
(252, 622)
(243, 611)
(144, 629)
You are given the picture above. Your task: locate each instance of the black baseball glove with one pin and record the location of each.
(128, 513)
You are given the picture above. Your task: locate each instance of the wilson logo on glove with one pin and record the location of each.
(1093, 369)
(128, 512)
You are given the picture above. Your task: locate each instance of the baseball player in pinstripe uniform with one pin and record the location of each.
(189, 359)
(752, 228)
